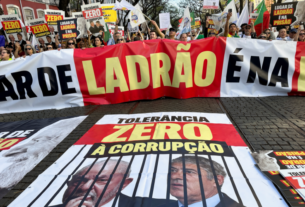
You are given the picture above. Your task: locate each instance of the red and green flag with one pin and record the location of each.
(263, 19)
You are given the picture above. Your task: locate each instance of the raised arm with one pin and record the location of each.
(296, 38)
(158, 29)
(56, 40)
(227, 24)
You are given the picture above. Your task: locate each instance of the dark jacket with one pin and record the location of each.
(229, 202)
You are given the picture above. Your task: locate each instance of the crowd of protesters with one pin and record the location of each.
(21, 48)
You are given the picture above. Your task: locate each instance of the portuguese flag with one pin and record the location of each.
(263, 19)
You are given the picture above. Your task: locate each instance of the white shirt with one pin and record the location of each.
(286, 38)
(245, 36)
(211, 202)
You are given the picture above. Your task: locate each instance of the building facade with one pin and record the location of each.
(28, 9)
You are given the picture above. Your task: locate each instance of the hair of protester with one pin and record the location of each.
(97, 22)
(153, 31)
(282, 28)
(8, 52)
(19, 34)
(183, 34)
(204, 163)
(122, 167)
(48, 36)
(26, 51)
(91, 22)
(117, 33)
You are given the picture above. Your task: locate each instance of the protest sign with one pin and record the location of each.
(156, 159)
(40, 29)
(94, 18)
(136, 16)
(23, 144)
(283, 14)
(68, 28)
(132, 29)
(164, 19)
(197, 23)
(210, 4)
(52, 16)
(120, 30)
(109, 14)
(81, 24)
(12, 27)
(286, 170)
(253, 17)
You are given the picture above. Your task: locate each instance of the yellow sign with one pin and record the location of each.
(108, 13)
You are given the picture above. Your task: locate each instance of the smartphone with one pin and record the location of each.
(230, 10)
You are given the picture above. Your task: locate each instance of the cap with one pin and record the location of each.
(294, 30)
(172, 29)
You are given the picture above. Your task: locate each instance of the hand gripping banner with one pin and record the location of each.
(212, 67)
(158, 160)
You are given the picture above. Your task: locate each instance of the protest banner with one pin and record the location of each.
(23, 144)
(210, 4)
(12, 28)
(286, 170)
(283, 14)
(109, 14)
(104, 76)
(40, 29)
(52, 16)
(120, 30)
(68, 28)
(81, 24)
(155, 159)
(94, 18)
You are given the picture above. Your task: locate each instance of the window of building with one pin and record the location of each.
(40, 13)
(29, 13)
(13, 9)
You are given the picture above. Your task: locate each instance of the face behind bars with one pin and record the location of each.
(192, 182)
(98, 186)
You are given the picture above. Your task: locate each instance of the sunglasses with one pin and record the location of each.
(262, 37)
(120, 39)
(302, 33)
(267, 32)
(28, 48)
(194, 35)
(49, 48)
(70, 43)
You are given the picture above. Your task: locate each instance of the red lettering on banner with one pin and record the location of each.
(6, 144)
(53, 18)
(173, 69)
(160, 131)
(297, 182)
(93, 13)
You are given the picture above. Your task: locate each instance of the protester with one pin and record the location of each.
(263, 36)
(212, 33)
(49, 47)
(153, 35)
(194, 35)
(120, 40)
(183, 37)
(98, 42)
(230, 29)
(20, 40)
(293, 34)
(10, 50)
(158, 31)
(70, 44)
(5, 55)
(29, 50)
(301, 36)
(172, 34)
(49, 39)
(269, 34)
(243, 28)
(249, 31)
(18, 50)
(42, 44)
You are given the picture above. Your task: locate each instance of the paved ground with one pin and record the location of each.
(264, 123)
